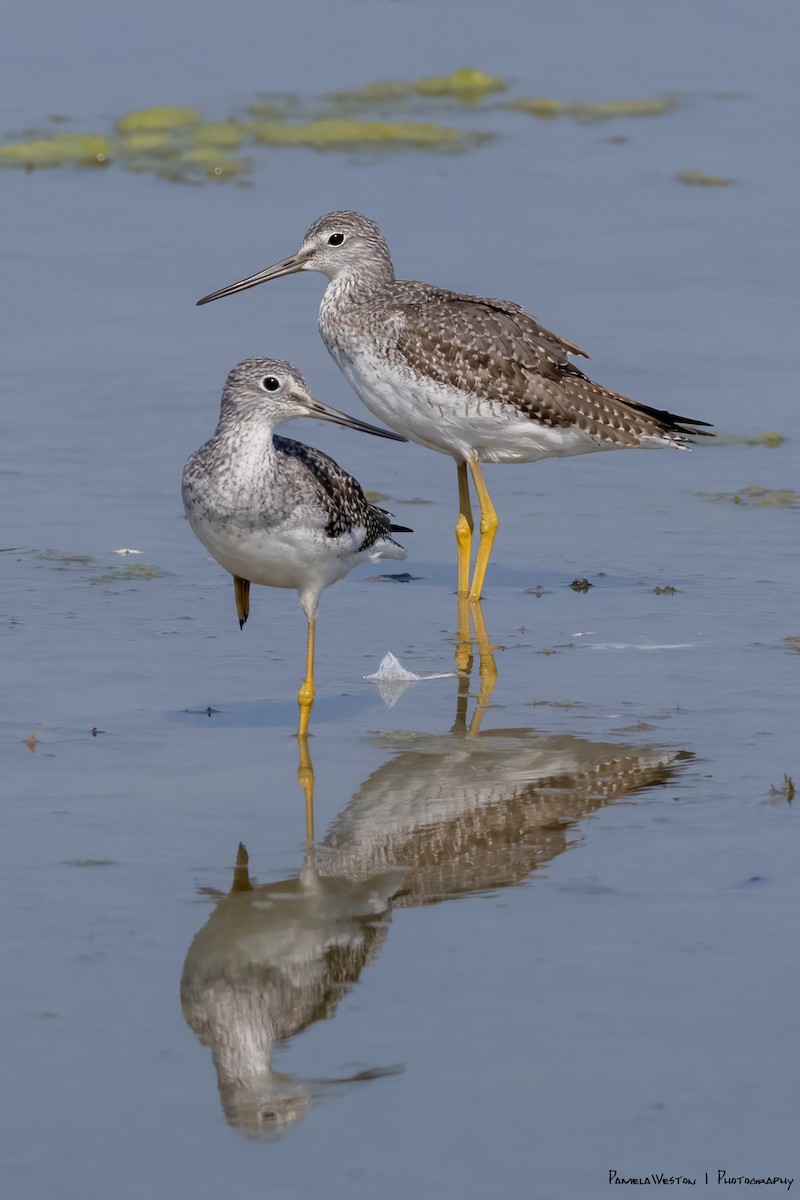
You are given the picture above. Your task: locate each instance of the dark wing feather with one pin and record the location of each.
(495, 351)
(340, 495)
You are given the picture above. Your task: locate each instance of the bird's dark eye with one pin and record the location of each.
(336, 239)
(270, 384)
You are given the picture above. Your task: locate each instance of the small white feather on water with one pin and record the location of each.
(393, 678)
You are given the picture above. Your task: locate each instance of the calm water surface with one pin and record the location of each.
(548, 926)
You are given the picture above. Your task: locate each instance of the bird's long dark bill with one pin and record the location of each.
(337, 418)
(286, 266)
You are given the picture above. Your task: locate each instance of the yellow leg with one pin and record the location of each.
(464, 527)
(241, 588)
(305, 696)
(487, 668)
(305, 776)
(489, 525)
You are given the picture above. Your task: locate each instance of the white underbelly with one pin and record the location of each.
(289, 558)
(443, 418)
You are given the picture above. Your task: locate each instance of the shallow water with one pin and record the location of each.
(563, 906)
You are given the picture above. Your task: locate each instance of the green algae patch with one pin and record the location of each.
(758, 497)
(548, 109)
(157, 119)
(335, 132)
(223, 135)
(698, 179)
(158, 144)
(60, 149)
(58, 556)
(131, 574)
(213, 163)
(466, 83)
(770, 440)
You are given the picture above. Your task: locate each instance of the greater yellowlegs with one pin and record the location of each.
(277, 512)
(474, 378)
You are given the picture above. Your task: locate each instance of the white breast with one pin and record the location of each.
(453, 422)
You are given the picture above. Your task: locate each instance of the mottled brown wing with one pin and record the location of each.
(493, 350)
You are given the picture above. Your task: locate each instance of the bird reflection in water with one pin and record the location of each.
(444, 816)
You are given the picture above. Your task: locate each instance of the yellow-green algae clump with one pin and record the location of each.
(224, 135)
(466, 83)
(761, 497)
(73, 149)
(334, 131)
(216, 165)
(549, 109)
(161, 117)
(698, 179)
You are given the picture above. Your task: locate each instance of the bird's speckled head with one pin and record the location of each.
(271, 391)
(267, 387)
(337, 245)
(344, 241)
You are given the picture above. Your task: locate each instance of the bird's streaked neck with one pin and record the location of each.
(241, 423)
(359, 281)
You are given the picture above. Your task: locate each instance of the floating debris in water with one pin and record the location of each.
(581, 585)
(126, 551)
(698, 179)
(376, 497)
(547, 108)
(30, 741)
(793, 643)
(669, 590)
(786, 792)
(399, 577)
(758, 497)
(393, 678)
(466, 83)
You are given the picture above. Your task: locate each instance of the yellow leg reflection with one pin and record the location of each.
(489, 524)
(463, 637)
(464, 527)
(305, 776)
(305, 697)
(487, 668)
(241, 589)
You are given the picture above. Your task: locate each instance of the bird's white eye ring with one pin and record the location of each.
(270, 383)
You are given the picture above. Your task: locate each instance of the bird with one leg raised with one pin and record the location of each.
(277, 512)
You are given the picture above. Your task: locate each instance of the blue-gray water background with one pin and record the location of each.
(630, 1004)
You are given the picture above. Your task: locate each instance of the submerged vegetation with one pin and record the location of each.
(698, 179)
(466, 85)
(178, 143)
(547, 108)
(758, 497)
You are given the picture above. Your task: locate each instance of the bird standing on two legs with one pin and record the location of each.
(474, 378)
